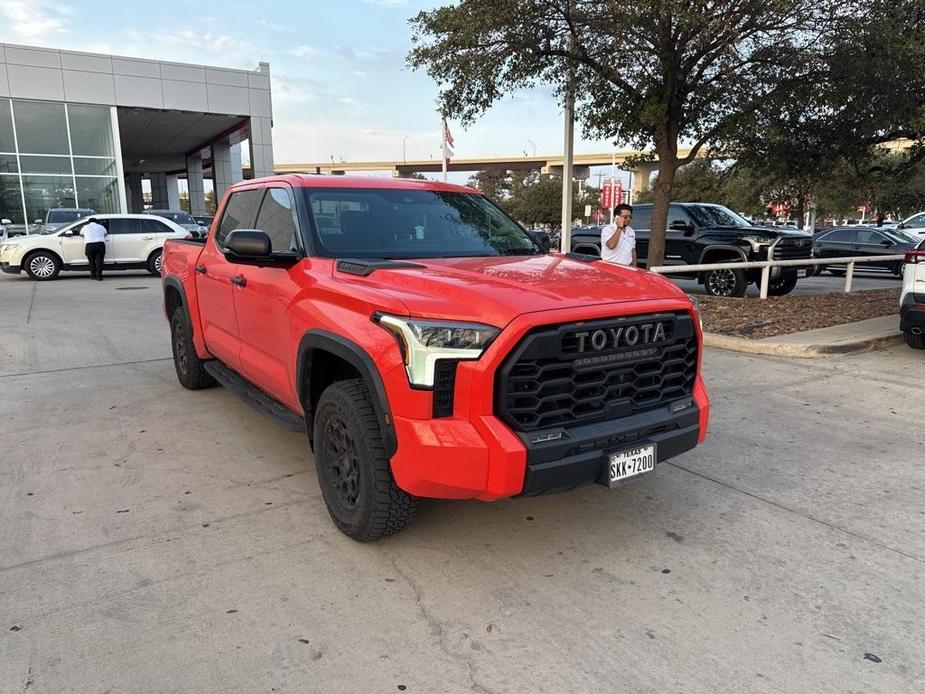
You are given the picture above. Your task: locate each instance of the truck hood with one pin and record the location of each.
(498, 289)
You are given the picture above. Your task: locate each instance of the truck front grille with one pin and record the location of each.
(794, 249)
(582, 373)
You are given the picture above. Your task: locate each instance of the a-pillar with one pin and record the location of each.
(197, 191)
(136, 197)
(173, 192)
(221, 169)
(159, 199)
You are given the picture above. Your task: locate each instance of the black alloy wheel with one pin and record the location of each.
(725, 283)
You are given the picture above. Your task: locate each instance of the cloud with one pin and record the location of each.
(31, 21)
(297, 90)
(358, 73)
(304, 51)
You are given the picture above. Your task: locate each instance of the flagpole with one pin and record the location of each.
(443, 147)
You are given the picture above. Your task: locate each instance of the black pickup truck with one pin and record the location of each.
(701, 233)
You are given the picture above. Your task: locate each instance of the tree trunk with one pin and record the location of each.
(667, 166)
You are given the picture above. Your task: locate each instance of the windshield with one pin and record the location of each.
(716, 216)
(901, 236)
(388, 223)
(178, 217)
(63, 216)
(57, 230)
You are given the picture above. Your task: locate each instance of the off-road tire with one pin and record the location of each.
(190, 368)
(353, 470)
(783, 284)
(914, 341)
(42, 266)
(725, 283)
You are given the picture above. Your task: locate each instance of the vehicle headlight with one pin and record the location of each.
(423, 342)
(759, 240)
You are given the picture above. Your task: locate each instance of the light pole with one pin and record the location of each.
(404, 158)
(532, 144)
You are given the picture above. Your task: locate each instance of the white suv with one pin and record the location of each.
(134, 242)
(912, 299)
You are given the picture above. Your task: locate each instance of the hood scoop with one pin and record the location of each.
(364, 268)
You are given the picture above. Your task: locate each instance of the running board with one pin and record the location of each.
(255, 397)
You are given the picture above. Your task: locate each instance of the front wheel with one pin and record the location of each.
(783, 284)
(725, 283)
(42, 266)
(899, 268)
(155, 262)
(353, 470)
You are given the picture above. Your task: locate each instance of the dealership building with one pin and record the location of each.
(83, 130)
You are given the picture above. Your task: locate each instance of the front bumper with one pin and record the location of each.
(483, 459)
(8, 268)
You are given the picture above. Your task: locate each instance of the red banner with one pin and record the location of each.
(606, 195)
(617, 194)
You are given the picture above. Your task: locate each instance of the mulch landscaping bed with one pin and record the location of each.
(781, 315)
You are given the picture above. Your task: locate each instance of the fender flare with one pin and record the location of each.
(358, 358)
(735, 249)
(173, 282)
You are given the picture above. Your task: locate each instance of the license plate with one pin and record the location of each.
(632, 462)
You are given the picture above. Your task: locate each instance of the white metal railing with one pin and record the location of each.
(766, 266)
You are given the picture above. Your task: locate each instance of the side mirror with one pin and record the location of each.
(887, 242)
(249, 243)
(253, 247)
(38, 221)
(900, 226)
(69, 232)
(5, 221)
(680, 225)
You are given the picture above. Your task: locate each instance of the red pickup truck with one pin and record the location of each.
(429, 346)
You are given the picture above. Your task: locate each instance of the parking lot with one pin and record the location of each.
(161, 540)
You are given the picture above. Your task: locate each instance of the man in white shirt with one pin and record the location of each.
(94, 235)
(618, 240)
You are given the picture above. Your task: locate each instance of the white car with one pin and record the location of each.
(912, 298)
(914, 224)
(134, 242)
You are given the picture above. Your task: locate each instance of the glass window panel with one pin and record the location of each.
(7, 142)
(91, 130)
(125, 225)
(45, 165)
(153, 226)
(237, 212)
(41, 127)
(46, 192)
(8, 164)
(100, 194)
(277, 220)
(11, 201)
(94, 167)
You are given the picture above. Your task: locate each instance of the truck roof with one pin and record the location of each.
(377, 182)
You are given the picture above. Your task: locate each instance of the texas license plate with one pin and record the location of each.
(632, 462)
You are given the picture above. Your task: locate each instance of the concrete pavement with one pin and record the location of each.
(161, 540)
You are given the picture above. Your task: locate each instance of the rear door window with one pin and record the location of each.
(124, 226)
(238, 213)
(154, 226)
(642, 218)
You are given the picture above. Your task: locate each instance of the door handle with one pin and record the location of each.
(147, 238)
(239, 281)
(201, 269)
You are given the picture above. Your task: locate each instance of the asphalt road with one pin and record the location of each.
(160, 540)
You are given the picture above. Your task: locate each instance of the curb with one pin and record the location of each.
(802, 351)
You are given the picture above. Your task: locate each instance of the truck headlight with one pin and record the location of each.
(423, 342)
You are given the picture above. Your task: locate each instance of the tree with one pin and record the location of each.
(536, 198)
(649, 74)
(494, 183)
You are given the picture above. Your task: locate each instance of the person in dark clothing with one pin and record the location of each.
(94, 235)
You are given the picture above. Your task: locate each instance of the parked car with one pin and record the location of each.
(203, 220)
(429, 348)
(184, 219)
(866, 241)
(912, 298)
(702, 233)
(134, 242)
(914, 224)
(58, 217)
(4, 234)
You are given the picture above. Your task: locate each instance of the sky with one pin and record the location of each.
(340, 87)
